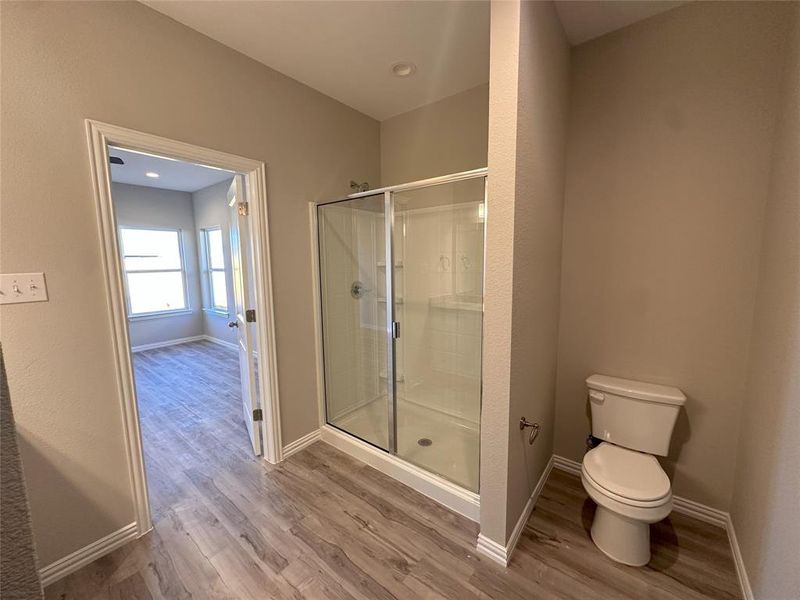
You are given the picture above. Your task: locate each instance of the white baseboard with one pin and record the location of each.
(565, 464)
(165, 343)
(701, 512)
(529, 506)
(502, 554)
(744, 580)
(186, 340)
(301, 443)
(220, 342)
(80, 558)
(444, 492)
(491, 549)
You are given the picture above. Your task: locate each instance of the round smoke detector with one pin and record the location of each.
(404, 69)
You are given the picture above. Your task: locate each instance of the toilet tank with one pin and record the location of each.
(633, 414)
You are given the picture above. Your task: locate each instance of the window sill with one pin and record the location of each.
(216, 312)
(160, 315)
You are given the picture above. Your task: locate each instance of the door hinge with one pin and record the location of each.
(258, 415)
(250, 315)
(395, 329)
(244, 209)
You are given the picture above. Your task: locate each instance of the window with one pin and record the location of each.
(154, 271)
(215, 263)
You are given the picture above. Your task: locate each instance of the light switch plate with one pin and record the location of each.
(22, 287)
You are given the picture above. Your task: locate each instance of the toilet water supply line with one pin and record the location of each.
(535, 427)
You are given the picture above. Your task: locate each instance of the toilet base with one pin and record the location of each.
(621, 539)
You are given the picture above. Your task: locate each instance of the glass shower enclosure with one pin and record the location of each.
(401, 285)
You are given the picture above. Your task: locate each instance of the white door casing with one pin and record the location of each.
(99, 136)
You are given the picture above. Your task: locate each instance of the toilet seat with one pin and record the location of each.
(626, 505)
(627, 476)
(631, 491)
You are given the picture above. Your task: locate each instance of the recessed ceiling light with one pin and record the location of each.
(404, 69)
(152, 174)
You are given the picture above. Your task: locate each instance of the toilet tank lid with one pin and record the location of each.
(636, 389)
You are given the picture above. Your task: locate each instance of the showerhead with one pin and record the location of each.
(359, 187)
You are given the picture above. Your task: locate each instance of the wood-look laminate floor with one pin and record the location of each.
(324, 526)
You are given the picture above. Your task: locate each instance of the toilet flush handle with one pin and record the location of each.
(596, 397)
(535, 427)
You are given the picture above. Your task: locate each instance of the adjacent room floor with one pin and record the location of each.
(322, 525)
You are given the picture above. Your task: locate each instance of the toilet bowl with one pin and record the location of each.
(634, 420)
(631, 491)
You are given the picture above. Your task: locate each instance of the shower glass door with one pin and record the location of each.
(401, 280)
(357, 314)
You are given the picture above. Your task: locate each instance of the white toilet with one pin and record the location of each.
(635, 421)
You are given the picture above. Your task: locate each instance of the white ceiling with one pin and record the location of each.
(584, 20)
(173, 174)
(345, 49)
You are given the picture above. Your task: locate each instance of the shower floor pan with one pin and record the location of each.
(453, 451)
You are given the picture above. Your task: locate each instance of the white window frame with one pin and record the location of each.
(187, 309)
(212, 306)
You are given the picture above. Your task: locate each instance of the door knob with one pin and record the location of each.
(233, 324)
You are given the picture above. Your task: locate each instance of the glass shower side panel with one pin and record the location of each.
(353, 301)
(439, 232)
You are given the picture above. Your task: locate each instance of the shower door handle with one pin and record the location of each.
(395, 330)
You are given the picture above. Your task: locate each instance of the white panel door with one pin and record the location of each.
(242, 281)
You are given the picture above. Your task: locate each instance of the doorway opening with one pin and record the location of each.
(184, 233)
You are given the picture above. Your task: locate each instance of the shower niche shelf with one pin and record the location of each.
(468, 303)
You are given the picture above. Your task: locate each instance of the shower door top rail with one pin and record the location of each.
(413, 185)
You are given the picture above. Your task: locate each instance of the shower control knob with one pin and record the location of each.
(358, 290)
(233, 324)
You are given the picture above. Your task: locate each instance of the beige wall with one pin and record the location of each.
(527, 123)
(444, 137)
(211, 210)
(126, 64)
(543, 101)
(670, 133)
(766, 494)
(498, 278)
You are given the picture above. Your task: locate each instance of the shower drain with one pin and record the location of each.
(424, 441)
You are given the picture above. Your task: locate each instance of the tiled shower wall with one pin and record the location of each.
(443, 275)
